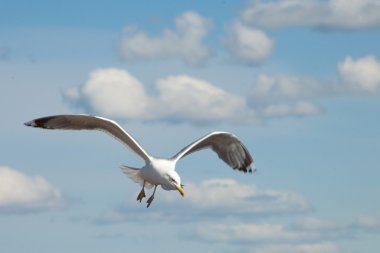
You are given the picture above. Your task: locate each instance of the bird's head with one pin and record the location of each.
(174, 181)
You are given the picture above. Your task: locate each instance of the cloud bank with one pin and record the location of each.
(290, 95)
(303, 236)
(116, 93)
(185, 42)
(324, 15)
(248, 232)
(20, 193)
(225, 211)
(245, 42)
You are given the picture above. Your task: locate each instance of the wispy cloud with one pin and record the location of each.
(302, 231)
(184, 42)
(304, 236)
(328, 15)
(20, 193)
(246, 232)
(286, 95)
(282, 88)
(334, 229)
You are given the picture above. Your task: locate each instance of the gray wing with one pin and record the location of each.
(228, 147)
(86, 122)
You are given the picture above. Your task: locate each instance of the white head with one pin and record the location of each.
(174, 182)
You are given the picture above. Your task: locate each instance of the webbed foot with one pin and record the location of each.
(150, 200)
(141, 195)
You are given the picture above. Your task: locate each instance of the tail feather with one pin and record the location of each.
(134, 174)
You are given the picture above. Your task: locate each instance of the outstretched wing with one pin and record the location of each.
(86, 122)
(228, 147)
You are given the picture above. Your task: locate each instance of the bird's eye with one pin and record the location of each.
(171, 180)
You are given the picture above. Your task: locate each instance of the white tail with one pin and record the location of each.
(134, 174)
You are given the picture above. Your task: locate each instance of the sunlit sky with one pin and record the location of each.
(297, 81)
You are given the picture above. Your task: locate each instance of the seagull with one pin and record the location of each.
(156, 171)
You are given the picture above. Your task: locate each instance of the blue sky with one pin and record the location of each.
(297, 81)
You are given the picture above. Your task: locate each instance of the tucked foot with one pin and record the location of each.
(150, 200)
(141, 195)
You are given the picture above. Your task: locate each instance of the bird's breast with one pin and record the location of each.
(151, 175)
(156, 171)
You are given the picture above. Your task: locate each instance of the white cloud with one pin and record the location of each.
(314, 224)
(268, 238)
(224, 195)
(300, 108)
(185, 97)
(287, 95)
(246, 232)
(248, 45)
(20, 193)
(219, 197)
(299, 232)
(362, 74)
(309, 235)
(116, 93)
(287, 88)
(183, 42)
(366, 222)
(319, 247)
(325, 229)
(330, 14)
(284, 95)
(72, 93)
(213, 198)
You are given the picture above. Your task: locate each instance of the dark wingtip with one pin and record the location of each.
(244, 169)
(248, 169)
(31, 123)
(40, 122)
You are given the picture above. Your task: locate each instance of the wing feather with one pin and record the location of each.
(228, 148)
(87, 122)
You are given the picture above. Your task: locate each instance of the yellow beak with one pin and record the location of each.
(180, 190)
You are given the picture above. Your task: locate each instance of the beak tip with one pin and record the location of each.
(181, 191)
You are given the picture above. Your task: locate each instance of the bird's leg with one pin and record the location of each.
(142, 193)
(149, 201)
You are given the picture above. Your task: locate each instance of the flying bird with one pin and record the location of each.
(156, 171)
